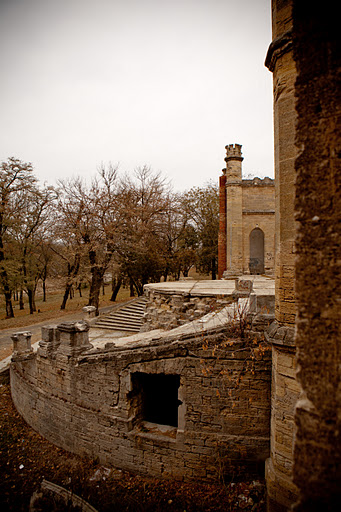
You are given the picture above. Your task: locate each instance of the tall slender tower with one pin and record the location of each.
(234, 227)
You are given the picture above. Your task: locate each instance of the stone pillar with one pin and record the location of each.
(317, 454)
(234, 223)
(89, 312)
(21, 345)
(50, 341)
(282, 492)
(74, 338)
(222, 226)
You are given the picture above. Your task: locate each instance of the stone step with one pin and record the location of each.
(122, 321)
(128, 317)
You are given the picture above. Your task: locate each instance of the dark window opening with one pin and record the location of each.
(256, 264)
(158, 395)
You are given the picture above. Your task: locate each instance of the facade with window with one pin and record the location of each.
(246, 220)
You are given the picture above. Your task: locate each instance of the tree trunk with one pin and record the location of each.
(115, 287)
(72, 273)
(95, 288)
(31, 302)
(44, 290)
(7, 294)
(4, 280)
(9, 307)
(21, 300)
(132, 288)
(66, 295)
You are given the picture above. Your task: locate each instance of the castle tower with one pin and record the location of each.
(230, 245)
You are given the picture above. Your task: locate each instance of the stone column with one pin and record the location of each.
(73, 338)
(222, 226)
(21, 345)
(282, 492)
(234, 224)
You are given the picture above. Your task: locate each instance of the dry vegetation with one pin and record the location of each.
(51, 308)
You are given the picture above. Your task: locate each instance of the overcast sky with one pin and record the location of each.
(167, 83)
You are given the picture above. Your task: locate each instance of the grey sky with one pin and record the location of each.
(167, 83)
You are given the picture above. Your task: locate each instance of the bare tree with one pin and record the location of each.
(202, 206)
(15, 178)
(88, 220)
(145, 201)
(32, 207)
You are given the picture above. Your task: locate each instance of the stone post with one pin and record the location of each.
(89, 312)
(21, 345)
(234, 227)
(74, 338)
(50, 341)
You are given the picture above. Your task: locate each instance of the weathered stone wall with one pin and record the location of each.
(282, 492)
(317, 455)
(259, 212)
(169, 310)
(93, 402)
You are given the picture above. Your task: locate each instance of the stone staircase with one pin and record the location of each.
(124, 318)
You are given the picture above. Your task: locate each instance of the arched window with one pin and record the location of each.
(256, 264)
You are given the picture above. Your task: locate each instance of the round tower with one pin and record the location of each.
(234, 227)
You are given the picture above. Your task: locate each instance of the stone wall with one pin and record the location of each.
(317, 455)
(167, 310)
(108, 404)
(259, 212)
(282, 492)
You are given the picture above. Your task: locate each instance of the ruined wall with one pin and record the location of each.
(167, 310)
(282, 492)
(317, 455)
(103, 403)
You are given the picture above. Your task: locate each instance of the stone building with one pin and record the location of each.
(246, 220)
(303, 470)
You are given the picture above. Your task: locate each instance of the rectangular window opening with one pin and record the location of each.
(158, 397)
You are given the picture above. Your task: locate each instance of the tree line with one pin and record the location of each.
(134, 228)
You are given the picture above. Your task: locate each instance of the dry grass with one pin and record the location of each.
(51, 308)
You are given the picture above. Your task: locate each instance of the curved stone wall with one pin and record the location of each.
(102, 402)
